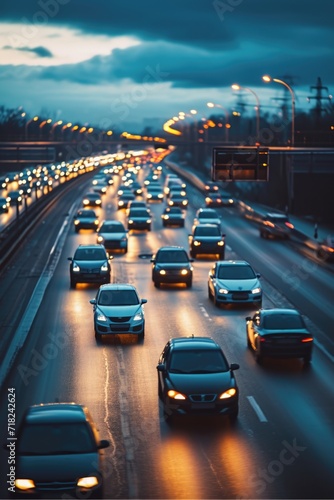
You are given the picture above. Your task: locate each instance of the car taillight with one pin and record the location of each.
(289, 225)
(307, 339)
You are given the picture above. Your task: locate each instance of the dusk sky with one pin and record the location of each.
(116, 62)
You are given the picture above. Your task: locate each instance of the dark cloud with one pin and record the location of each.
(38, 51)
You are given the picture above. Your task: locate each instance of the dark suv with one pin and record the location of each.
(171, 264)
(90, 264)
(275, 226)
(207, 239)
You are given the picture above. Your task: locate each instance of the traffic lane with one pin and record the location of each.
(307, 285)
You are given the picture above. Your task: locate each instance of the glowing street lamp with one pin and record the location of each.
(268, 79)
(34, 119)
(235, 86)
(59, 122)
(43, 123)
(227, 117)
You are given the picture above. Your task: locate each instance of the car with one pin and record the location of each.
(275, 225)
(207, 239)
(207, 216)
(118, 310)
(210, 187)
(139, 218)
(234, 282)
(172, 216)
(113, 236)
(176, 199)
(85, 219)
(154, 193)
(124, 200)
(171, 264)
(101, 186)
(213, 199)
(137, 204)
(176, 189)
(15, 197)
(279, 333)
(4, 204)
(58, 453)
(194, 378)
(90, 264)
(92, 199)
(325, 249)
(227, 201)
(137, 188)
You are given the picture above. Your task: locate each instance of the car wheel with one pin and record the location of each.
(164, 224)
(157, 284)
(259, 358)
(210, 293)
(98, 337)
(72, 284)
(141, 336)
(193, 255)
(189, 283)
(125, 249)
(222, 256)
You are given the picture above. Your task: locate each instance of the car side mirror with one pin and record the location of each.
(104, 443)
(161, 367)
(248, 318)
(70, 258)
(153, 260)
(143, 301)
(93, 302)
(234, 366)
(223, 235)
(258, 275)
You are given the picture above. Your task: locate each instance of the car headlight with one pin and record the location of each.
(100, 239)
(175, 395)
(76, 268)
(256, 290)
(184, 272)
(223, 291)
(148, 221)
(138, 316)
(87, 482)
(101, 317)
(24, 484)
(197, 243)
(162, 271)
(96, 222)
(228, 394)
(76, 222)
(104, 267)
(130, 221)
(221, 243)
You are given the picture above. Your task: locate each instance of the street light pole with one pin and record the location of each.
(235, 86)
(34, 119)
(227, 117)
(267, 79)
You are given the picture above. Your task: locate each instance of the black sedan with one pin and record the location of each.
(90, 264)
(207, 239)
(173, 216)
(92, 199)
(58, 453)
(325, 249)
(139, 218)
(279, 333)
(275, 225)
(171, 264)
(113, 236)
(195, 378)
(85, 219)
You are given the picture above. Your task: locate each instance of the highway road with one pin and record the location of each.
(282, 444)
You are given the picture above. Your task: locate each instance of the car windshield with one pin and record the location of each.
(198, 361)
(236, 273)
(90, 254)
(111, 228)
(172, 256)
(86, 213)
(56, 439)
(138, 212)
(118, 298)
(283, 322)
(207, 231)
(207, 215)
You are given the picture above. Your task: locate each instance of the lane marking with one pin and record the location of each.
(204, 312)
(257, 409)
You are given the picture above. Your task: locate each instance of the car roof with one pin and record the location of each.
(91, 245)
(276, 215)
(112, 222)
(184, 343)
(117, 286)
(209, 210)
(233, 263)
(56, 412)
(172, 247)
(276, 310)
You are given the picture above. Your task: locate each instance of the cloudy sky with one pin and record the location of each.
(129, 62)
